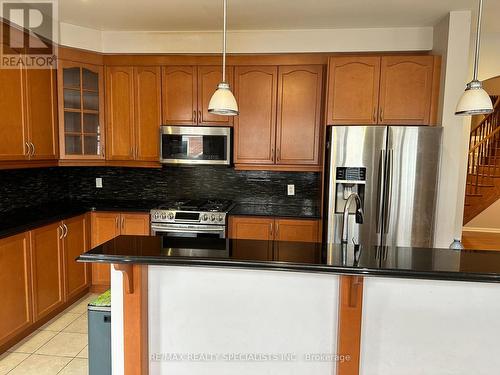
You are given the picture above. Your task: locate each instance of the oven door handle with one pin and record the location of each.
(187, 230)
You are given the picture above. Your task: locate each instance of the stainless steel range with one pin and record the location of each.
(191, 218)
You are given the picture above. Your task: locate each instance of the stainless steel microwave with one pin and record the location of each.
(196, 145)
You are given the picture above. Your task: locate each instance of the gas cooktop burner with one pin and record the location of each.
(219, 205)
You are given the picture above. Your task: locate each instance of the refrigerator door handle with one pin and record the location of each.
(388, 191)
(380, 192)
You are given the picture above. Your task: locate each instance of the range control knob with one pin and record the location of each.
(205, 217)
(156, 215)
(220, 217)
(212, 217)
(164, 215)
(170, 215)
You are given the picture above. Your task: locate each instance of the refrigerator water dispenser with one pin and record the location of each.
(349, 180)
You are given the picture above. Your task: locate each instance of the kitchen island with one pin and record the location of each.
(220, 306)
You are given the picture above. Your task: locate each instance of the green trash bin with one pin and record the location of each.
(99, 318)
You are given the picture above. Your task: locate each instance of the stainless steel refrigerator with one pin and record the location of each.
(394, 169)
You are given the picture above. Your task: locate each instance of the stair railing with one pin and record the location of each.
(484, 151)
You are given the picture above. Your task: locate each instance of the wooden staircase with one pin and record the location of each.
(483, 170)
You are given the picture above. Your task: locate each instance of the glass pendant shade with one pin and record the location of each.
(474, 101)
(223, 101)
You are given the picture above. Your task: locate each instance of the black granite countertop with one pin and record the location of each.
(23, 219)
(400, 262)
(311, 212)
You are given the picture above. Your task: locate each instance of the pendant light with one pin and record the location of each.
(475, 100)
(223, 101)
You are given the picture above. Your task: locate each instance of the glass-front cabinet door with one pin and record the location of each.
(81, 111)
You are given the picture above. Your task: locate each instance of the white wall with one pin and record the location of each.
(489, 60)
(451, 40)
(255, 41)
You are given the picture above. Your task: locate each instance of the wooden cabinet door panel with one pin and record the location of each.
(75, 244)
(135, 224)
(251, 228)
(299, 114)
(406, 89)
(179, 95)
(353, 90)
(147, 112)
(47, 269)
(13, 132)
(105, 226)
(15, 314)
(41, 113)
(208, 79)
(120, 112)
(255, 127)
(297, 230)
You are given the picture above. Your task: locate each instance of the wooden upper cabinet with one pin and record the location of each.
(15, 288)
(300, 91)
(135, 224)
(120, 113)
(208, 79)
(406, 87)
(41, 113)
(251, 228)
(81, 111)
(147, 112)
(179, 95)
(353, 90)
(255, 127)
(13, 125)
(47, 269)
(75, 243)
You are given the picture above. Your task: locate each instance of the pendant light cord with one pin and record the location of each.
(478, 37)
(224, 43)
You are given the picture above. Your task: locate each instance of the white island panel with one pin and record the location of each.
(212, 314)
(425, 327)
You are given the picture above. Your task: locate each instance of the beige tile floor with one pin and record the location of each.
(58, 347)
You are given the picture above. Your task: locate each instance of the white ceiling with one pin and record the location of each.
(183, 15)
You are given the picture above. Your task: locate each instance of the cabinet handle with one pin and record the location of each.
(131, 151)
(278, 157)
(199, 117)
(123, 222)
(374, 114)
(194, 116)
(28, 149)
(116, 220)
(60, 232)
(277, 230)
(65, 227)
(272, 154)
(271, 230)
(33, 147)
(102, 151)
(381, 114)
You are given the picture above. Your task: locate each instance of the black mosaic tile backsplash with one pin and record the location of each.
(23, 188)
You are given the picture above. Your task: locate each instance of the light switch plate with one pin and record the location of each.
(290, 188)
(98, 182)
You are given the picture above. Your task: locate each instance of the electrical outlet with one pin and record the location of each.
(98, 182)
(290, 189)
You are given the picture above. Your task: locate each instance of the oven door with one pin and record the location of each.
(195, 145)
(188, 230)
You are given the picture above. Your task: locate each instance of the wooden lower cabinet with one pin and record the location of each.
(106, 226)
(75, 243)
(268, 229)
(47, 269)
(16, 312)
